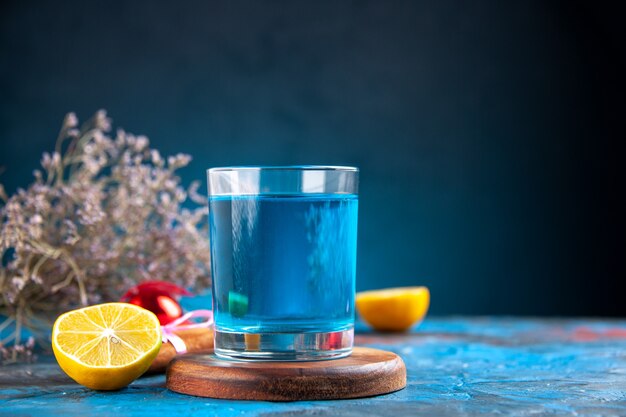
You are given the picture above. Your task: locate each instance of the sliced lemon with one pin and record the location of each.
(106, 346)
(393, 309)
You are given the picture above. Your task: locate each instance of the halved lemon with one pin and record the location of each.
(393, 309)
(106, 346)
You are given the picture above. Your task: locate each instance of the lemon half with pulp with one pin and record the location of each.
(106, 346)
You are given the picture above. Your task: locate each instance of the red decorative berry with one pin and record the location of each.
(158, 297)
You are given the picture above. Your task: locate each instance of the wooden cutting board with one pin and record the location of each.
(366, 372)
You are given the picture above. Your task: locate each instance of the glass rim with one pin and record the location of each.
(283, 168)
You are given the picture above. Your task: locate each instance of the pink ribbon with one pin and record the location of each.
(169, 329)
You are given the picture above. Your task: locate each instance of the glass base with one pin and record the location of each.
(283, 346)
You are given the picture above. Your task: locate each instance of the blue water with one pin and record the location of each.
(283, 263)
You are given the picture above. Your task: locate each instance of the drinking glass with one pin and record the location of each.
(283, 260)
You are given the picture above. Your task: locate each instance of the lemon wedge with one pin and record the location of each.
(393, 309)
(106, 346)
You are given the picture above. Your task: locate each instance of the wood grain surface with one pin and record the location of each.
(365, 373)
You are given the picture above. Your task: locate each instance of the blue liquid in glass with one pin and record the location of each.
(283, 263)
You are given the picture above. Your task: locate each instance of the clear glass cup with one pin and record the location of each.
(283, 260)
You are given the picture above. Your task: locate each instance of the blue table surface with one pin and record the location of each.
(455, 366)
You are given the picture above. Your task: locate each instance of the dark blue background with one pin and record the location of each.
(489, 134)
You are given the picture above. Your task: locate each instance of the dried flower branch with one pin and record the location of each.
(103, 215)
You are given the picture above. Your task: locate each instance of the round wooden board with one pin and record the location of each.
(366, 372)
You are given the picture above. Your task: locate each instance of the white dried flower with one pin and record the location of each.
(141, 143)
(38, 176)
(46, 160)
(156, 158)
(70, 120)
(84, 234)
(195, 196)
(178, 161)
(165, 198)
(18, 283)
(101, 121)
(56, 159)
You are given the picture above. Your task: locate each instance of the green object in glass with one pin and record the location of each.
(237, 304)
